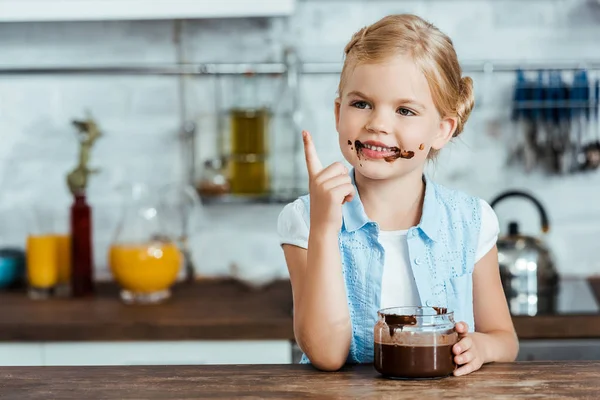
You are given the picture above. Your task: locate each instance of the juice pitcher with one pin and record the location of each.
(144, 259)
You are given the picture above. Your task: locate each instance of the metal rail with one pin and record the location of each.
(309, 68)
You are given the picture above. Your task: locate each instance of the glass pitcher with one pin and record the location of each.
(144, 258)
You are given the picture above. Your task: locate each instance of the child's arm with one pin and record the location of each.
(495, 339)
(321, 317)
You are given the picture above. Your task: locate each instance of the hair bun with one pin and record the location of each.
(357, 37)
(466, 101)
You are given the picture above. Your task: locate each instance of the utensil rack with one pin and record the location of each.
(305, 68)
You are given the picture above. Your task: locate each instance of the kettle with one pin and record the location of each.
(527, 269)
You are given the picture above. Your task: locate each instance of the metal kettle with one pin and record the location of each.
(527, 269)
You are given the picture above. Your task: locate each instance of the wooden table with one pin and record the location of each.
(577, 380)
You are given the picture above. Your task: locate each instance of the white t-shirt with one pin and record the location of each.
(398, 284)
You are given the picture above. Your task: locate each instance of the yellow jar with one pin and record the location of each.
(249, 175)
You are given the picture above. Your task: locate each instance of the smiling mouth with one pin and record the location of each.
(389, 154)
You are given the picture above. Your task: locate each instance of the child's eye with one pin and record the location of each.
(360, 104)
(405, 111)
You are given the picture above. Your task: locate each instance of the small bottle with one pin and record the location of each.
(81, 247)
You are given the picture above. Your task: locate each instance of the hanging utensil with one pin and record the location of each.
(530, 131)
(518, 123)
(537, 111)
(564, 122)
(592, 149)
(555, 149)
(578, 116)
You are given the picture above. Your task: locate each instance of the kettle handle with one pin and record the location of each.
(513, 193)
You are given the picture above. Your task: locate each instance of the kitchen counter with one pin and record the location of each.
(206, 310)
(516, 380)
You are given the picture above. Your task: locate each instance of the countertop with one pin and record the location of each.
(203, 310)
(206, 310)
(577, 380)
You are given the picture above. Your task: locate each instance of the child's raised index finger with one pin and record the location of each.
(313, 164)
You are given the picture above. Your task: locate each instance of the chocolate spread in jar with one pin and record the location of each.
(413, 350)
(394, 321)
(414, 362)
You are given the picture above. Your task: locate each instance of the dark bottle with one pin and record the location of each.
(81, 247)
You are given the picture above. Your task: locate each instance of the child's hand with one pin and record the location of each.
(467, 354)
(329, 188)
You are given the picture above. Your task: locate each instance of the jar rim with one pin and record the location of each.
(411, 310)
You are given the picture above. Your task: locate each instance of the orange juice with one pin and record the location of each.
(42, 261)
(63, 243)
(145, 268)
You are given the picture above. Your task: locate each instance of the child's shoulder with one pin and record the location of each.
(293, 223)
(295, 209)
(447, 193)
(455, 198)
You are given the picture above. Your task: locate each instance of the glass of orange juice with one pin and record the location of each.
(48, 252)
(63, 255)
(42, 265)
(143, 259)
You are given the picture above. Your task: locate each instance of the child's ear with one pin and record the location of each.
(336, 108)
(445, 131)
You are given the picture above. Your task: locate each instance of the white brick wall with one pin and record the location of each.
(140, 115)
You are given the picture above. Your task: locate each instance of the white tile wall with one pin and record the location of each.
(140, 115)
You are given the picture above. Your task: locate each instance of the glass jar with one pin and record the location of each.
(415, 342)
(249, 175)
(144, 259)
(184, 217)
(248, 161)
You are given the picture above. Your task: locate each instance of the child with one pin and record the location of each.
(384, 234)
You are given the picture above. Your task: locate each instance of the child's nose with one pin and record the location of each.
(379, 123)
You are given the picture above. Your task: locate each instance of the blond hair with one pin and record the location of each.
(431, 49)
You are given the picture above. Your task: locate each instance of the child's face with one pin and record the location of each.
(387, 121)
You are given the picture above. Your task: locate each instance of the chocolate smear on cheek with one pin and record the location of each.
(421, 146)
(398, 153)
(358, 146)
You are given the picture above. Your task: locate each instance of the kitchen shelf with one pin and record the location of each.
(230, 199)
(104, 10)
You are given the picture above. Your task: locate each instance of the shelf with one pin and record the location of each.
(230, 199)
(103, 10)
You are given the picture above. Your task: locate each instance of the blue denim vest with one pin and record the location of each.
(442, 250)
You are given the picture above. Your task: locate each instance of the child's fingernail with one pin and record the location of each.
(458, 349)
